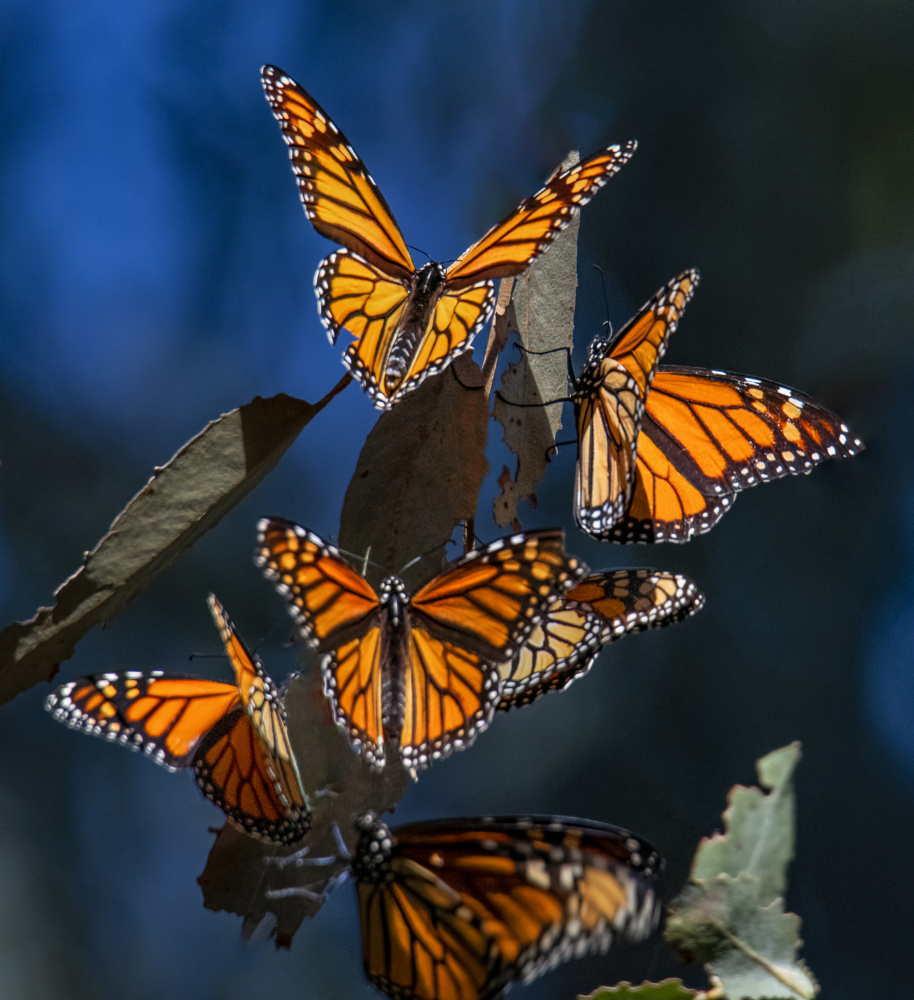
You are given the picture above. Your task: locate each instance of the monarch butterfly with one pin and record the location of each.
(457, 909)
(703, 436)
(232, 735)
(609, 401)
(600, 609)
(420, 672)
(408, 323)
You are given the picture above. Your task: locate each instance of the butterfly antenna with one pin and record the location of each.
(419, 250)
(607, 323)
(365, 561)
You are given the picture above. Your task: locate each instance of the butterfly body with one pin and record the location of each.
(408, 323)
(232, 736)
(457, 909)
(417, 675)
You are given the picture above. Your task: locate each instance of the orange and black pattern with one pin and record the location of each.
(419, 674)
(600, 609)
(457, 909)
(706, 435)
(408, 323)
(609, 401)
(233, 736)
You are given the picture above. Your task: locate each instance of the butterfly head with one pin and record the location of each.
(393, 596)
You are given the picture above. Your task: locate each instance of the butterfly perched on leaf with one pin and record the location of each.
(601, 608)
(419, 674)
(233, 736)
(666, 462)
(457, 909)
(408, 322)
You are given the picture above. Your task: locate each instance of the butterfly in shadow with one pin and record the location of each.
(419, 674)
(408, 322)
(233, 736)
(457, 909)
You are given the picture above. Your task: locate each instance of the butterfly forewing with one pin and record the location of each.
(609, 406)
(706, 435)
(514, 243)
(339, 196)
(327, 598)
(601, 608)
(165, 717)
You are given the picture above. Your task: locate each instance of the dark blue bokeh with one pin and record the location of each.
(157, 272)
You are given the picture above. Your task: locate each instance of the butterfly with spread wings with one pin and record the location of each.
(419, 674)
(457, 909)
(672, 465)
(598, 610)
(408, 322)
(232, 735)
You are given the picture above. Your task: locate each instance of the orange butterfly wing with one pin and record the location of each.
(514, 243)
(337, 192)
(609, 404)
(187, 722)
(600, 609)
(456, 910)
(706, 435)
(462, 625)
(271, 755)
(339, 613)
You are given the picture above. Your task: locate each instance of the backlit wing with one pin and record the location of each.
(264, 708)
(609, 403)
(337, 612)
(706, 435)
(600, 609)
(511, 246)
(337, 192)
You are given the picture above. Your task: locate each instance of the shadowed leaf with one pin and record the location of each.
(183, 499)
(731, 914)
(542, 315)
(418, 475)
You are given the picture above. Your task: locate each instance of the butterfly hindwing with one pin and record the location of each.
(706, 435)
(600, 609)
(460, 908)
(609, 405)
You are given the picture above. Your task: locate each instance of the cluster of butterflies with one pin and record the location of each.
(462, 907)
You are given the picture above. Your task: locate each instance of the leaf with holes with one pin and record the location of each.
(731, 914)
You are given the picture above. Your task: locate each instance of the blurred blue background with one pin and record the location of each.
(156, 272)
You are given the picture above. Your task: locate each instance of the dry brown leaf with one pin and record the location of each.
(184, 498)
(418, 475)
